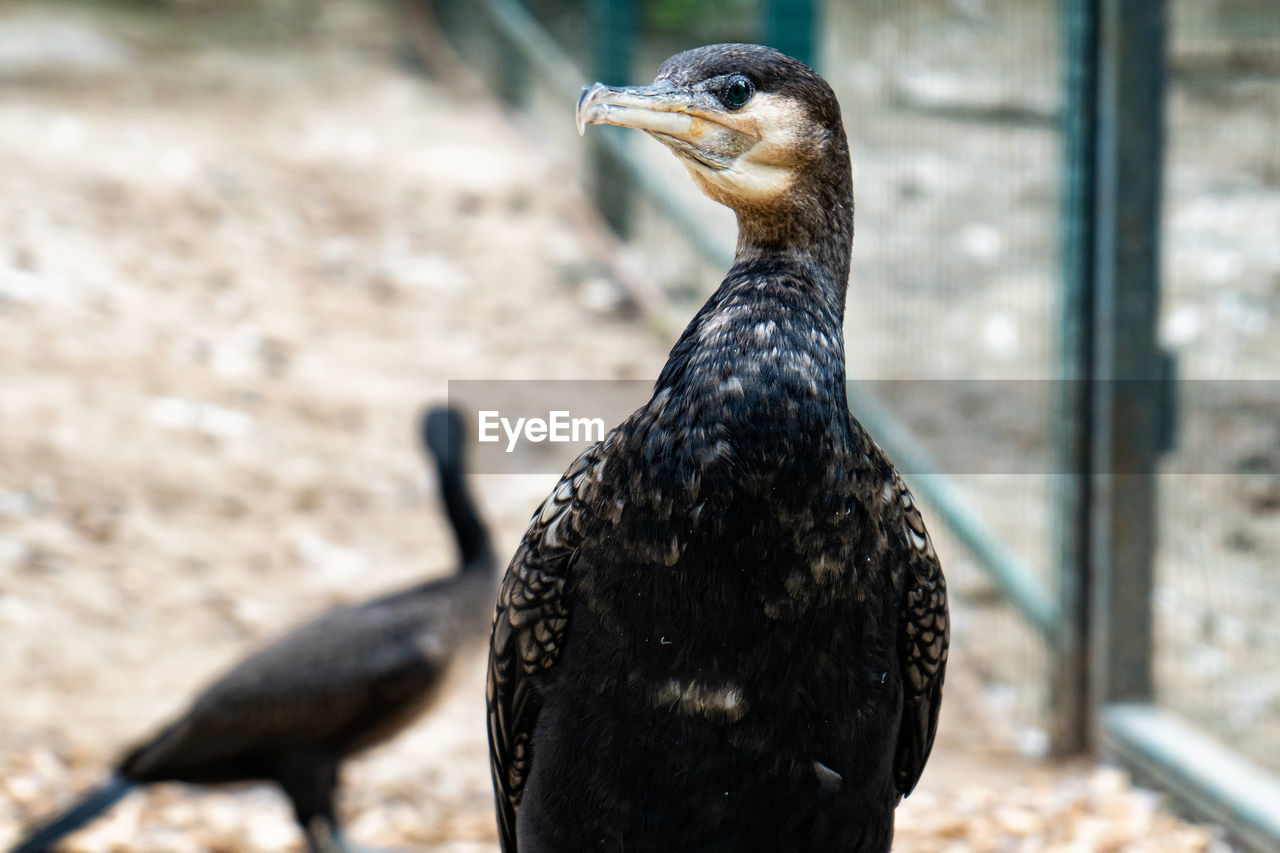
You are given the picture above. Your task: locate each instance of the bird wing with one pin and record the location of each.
(529, 625)
(923, 636)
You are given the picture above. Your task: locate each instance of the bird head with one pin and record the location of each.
(752, 125)
(444, 435)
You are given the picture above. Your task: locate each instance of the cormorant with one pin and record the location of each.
(726, 628)
(294, 711)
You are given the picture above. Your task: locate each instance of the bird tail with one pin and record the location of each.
(92, 804)
(444, 435)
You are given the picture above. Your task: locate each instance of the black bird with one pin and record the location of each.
(355, 676)
(726, 628)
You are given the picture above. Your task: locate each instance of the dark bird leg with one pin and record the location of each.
(309, 780)
(86, 809)
(324, 836)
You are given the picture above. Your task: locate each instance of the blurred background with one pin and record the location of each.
(242, 242)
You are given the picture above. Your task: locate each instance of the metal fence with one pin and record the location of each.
(1012, 180)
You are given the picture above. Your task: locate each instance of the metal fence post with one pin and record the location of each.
(614, 25)
(445, 11)
(1071, 724)
(790, 26)
(513, 74)
(1130, 396)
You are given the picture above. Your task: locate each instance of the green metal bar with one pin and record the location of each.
(519, 27)
(446, 13)
(614, 24)
(790, 26)
(1013, 577)
(1128, 402)
(513, 75)
(1210, 779)
(1070, 708)
(614, 29)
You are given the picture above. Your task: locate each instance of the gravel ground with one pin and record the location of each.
(232, 271)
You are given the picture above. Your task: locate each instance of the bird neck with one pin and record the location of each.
(468, 530)
(811, 224)
(771, 338)
(775, 326)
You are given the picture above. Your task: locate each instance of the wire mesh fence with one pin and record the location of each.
(950, 108)
(1217, 590)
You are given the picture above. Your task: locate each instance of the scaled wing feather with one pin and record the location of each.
(529, 626)
(923, 635)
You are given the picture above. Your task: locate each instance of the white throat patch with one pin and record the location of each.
(767, 169)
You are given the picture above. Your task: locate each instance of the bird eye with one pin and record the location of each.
(738, 91)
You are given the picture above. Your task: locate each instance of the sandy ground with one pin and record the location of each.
(230, 276)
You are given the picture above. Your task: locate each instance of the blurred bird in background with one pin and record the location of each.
(292, 712)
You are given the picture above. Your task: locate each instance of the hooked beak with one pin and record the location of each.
(661, 108)
(678, 117)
